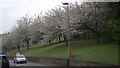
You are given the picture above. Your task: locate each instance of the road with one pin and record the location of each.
(25, 65)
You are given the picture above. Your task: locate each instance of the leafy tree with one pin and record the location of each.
(112, 31)
(111, 27)
(23, 26)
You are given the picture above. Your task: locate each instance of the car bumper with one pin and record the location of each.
(21, 61)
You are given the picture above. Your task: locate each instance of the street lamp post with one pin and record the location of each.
(68, 37)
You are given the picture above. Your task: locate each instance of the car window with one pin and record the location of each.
(20, 56)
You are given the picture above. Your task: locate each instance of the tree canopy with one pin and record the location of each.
(89, 20)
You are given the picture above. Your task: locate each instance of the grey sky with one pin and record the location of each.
(11, 10)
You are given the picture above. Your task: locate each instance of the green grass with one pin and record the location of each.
(82, 50)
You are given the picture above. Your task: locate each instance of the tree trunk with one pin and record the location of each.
(18, 48)
(65, 40)
(27, 44)
(97, 32)
(49, 42)
(59, 38)
(88, 35)
(98, 38)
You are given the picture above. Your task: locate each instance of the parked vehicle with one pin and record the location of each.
(20, 58)
(4, 62)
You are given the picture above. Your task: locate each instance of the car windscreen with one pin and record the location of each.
(20, 56)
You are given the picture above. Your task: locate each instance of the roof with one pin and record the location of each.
(2, 53)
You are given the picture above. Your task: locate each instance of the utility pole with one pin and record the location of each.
(68, 38)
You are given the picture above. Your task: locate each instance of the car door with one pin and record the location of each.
(5, 62)
(0, 63)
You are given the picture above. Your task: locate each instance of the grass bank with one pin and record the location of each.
(82, 50)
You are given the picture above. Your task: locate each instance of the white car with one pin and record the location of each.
(20, 59)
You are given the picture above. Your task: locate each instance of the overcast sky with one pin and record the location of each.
(11, 10)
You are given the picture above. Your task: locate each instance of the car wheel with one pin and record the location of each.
(25, 61)
(16, 62)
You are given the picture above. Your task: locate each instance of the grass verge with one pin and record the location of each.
(82, 50)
